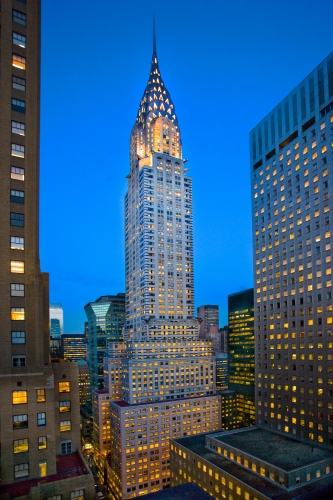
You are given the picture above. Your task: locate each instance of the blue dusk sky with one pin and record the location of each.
(226, 64)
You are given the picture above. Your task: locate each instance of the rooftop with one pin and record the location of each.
(188, 491)
(283, 452)
(196, 444)
(171, 401)
(68, 466)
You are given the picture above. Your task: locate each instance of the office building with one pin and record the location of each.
(55, 348)
(210, 320)
(84, 381)
(224, 338)
(221, 371)
(106, 318)
(289, 453)
(39, 413)
(55, 328)
(74, 347)
(252, 464)
(166, 374)
(56, 320)
(292, 178)
(241, 354)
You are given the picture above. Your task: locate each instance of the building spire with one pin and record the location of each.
(154, 36)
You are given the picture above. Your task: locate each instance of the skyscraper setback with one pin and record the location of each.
(165, 373)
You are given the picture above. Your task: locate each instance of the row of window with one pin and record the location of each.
(20, 397)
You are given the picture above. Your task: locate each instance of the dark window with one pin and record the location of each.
(16, 196)
(66, 447)
(19, 17)
(18, 84)
(20, 421)
(16, 219)
(41, 418)
(18, 105)
(18, 337)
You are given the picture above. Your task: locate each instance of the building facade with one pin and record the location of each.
(39, 414)
(210, 320)
(106, 318)
(292, 193)
(164, 373)
(222, 369)
(56, 320)
(241, 354)
(74, 347)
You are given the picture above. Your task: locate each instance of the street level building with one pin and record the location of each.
(165, 372)
(106, 318)
(39, 413)
(241, 354)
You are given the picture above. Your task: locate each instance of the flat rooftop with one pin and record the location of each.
(68, 466)
(188, 491)
(283, 452)
(196, 444)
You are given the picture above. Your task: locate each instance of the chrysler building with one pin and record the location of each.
(161, 378)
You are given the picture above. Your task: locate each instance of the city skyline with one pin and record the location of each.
(218, 46)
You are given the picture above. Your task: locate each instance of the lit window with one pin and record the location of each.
(18, 128)
(18, 361)
(64, 406)
(19, 40)
(42, 468)
(19, 17)
(17, 173)
(16, 219)
(78, 494)
(18, 337)
(20, 397)
(21, 445)
(21, 470)
(65, 447)
(20, 421)
(41, 419)
(40, 395)
(65, 425)
(18, 61)
(17, 313)
(17, 150)
(42, 442)
(17, 266)
(16, 196)
(64, 387)
(18, 105)
(18, 84)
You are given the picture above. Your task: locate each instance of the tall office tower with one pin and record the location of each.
(221, 371)
(106, 318)
(165, 372)
(224, 338)
(210, 320)
(292, 179)
(241, 354)
(39, 412)
(84, 381)
(74, 347)
(289, 453)
(56, 320)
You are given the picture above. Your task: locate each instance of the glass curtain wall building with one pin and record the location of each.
(106, 318)
(241, 354)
